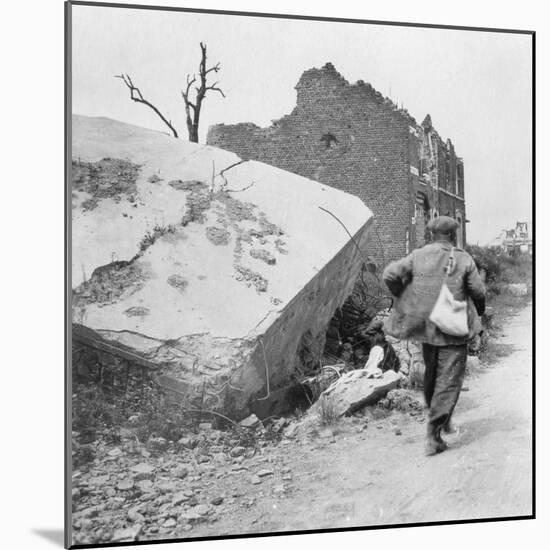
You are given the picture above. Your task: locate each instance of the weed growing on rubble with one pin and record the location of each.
(328, 413)
(114, 416)
(151, 236)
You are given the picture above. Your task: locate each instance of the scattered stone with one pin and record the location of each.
(190, 516)
(99, 480)
(145, 485)
(143, 471)
(188, 442)
(125, 485)
(135, 516)
(158, 443)
(129, 534)
(205, 426)
(397, 432)
(250, 421)
(169, 523)
(203, 509)
(465, 388)
(263, 473)
(193, 501)
(255, 480)
(216, 501)
(237, 451)
(165, 486)
(287, 477)
(179, 498)
(115, 453)
(180, 472)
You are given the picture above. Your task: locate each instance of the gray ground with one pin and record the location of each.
(377, 477)
(364, 471)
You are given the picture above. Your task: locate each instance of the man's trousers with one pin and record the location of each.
(445, 369)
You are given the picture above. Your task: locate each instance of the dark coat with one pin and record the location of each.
(416, 281)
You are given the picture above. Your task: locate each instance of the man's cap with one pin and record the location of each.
(443, 224)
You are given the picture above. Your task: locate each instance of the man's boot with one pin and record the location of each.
(449, 427)
(434, 443)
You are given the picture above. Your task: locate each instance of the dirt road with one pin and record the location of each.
(379, 475)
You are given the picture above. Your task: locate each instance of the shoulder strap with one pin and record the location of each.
(450, 263)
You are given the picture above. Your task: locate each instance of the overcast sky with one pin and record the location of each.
(475, 85)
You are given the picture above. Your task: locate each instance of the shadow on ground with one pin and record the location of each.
(473, 431)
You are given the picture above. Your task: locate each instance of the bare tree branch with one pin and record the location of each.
(193, 118)
(192, 105)
(136, 95)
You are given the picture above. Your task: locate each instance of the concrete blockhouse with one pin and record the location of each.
(220, 273)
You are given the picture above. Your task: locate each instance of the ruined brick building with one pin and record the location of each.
(351, 137)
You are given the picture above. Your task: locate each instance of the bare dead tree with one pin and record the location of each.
(136, 95)
(193, 109)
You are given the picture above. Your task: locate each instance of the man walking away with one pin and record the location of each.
(416, 282)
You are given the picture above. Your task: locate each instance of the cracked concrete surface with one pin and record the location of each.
(192, 294)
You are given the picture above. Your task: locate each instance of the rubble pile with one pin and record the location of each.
(132, 491)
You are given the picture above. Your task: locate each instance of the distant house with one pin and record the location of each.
(351, 137)
(519, 239)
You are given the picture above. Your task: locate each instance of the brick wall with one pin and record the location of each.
(350, 137)
(343, 135)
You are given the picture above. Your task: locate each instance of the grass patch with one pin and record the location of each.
(328, 414)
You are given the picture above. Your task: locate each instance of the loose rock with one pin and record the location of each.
(125, 485)
(250, 421)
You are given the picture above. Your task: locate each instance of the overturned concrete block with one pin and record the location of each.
(220, 272)
(355, 390)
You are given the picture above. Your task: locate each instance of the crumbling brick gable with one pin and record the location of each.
(351, 137)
